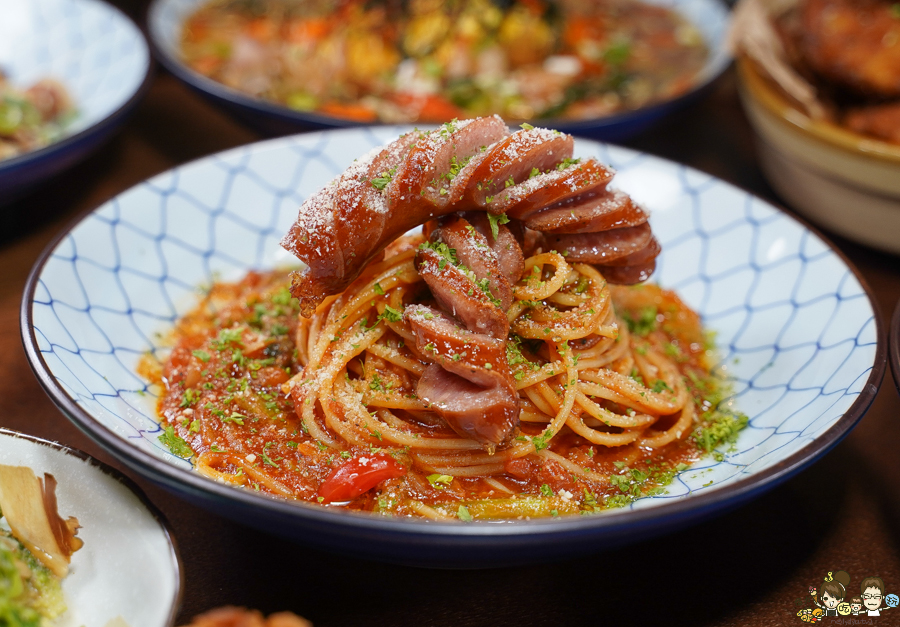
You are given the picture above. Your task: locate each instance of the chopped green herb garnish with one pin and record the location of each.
(190, 397)
(439, 481)
(618, 52)
(201, 355)
(590, 501)
(391, 315)
(448, 254)
(718, 427)
(565, 163)
(542, 441)
(644, 323)
(174, 443)
(283, 297)
(381, 181)
(235, 418)
(226, 337)
(496, 220)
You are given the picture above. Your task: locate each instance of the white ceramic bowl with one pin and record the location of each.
(96, 52)
(798, 335)
(848, 183)
(128, 566)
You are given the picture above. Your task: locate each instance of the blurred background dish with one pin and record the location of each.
(32, 117)
(820, 83)
(778, 297)
(845, 181)
(603, 69)
(97, 56)
(128, 567)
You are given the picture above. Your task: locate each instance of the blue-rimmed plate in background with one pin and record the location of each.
(95, 52)
(166, 18)
(128, 568)
(797, 332)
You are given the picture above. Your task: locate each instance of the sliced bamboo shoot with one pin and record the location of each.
(29, 506)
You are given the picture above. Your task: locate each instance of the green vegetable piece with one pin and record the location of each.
(644, 323)
(201, 355)
(30, 595)
(302, 101)
(439, 481)
(496, 220)
(542, 441)
(524, 506)
(618, 52)
(174, 443)
(391, 315)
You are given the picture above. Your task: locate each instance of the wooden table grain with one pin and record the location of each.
(752, 566)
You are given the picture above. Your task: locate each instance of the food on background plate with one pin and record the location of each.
(230, 616)
(32, 118)
(506, 363)
(841, 58)
(433, 60)
(36, 545)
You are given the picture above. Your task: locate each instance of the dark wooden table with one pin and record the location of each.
(752, 566)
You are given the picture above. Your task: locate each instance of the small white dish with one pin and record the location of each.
(128, 567)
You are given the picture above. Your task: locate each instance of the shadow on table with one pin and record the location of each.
(54, 199)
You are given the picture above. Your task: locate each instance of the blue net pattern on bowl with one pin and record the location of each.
(795, 330)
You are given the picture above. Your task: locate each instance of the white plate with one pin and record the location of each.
(128, 566)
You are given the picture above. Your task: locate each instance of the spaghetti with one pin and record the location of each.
(614, 388)
(476, 374)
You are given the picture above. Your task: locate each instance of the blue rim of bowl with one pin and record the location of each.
(611, 522)
(894, 345)
(102, 126)
(218, 90)
(134, 489)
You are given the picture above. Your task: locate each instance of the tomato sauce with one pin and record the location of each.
(224, 402)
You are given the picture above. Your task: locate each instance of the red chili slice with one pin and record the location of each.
(359, 475)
